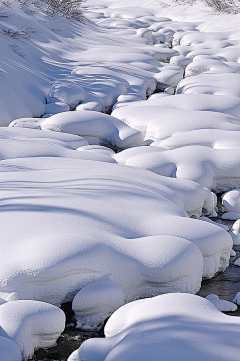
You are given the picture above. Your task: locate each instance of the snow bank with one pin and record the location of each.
(158, 123)
(93, 124)
(217, 138)
(231, 201)
(78, 220)
(216, 169)
(163, 324)
(31, 325)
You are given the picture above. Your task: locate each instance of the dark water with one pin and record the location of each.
(226, 284)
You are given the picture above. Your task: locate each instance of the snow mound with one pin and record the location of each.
(216, 169)
(237, 298)
(93, 124)
(224, 84)
(163, 324)
(65, 91)
(76, 215)
(231, 201)
(94, 303)
(218, 139)
(221, 305)
(195, 102)
(158, 123)
(235, 230)
(31, 324)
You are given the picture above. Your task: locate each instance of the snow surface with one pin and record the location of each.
(77, 221)
(31, 325)
(216, 169)
(221, 305)
(145, 329)
(71, 219)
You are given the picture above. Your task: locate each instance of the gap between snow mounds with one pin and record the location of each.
(130, 73)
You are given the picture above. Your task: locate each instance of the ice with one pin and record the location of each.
(31, 325)
(221, 305)
(94, 303)
(78, 220)
(164, 324)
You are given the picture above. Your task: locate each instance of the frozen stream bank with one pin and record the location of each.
(116, 135)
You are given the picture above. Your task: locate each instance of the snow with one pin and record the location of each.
(161, 79)
(31, 325)
(231, 201)
(94, 303)
(221, 305)
(164, 324)
(94, 124)
(121, 235)
(235, 231)
(221, 173)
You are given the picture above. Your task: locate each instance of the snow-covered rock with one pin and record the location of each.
(80, 220)
(66, 91)
(237, 298)
(158, 123)
(235, 231)
(164, 324)
(216, 169)
(94, 124)
(231, 201)
(215, 138)
(31, 325)
(94, 303)
(27, 133)
(221, 305)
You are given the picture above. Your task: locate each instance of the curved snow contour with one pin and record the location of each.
(164, 324)
(31, 324)
(218, 139)
(94, 124)
(216, 169)
(76, 221)
(18, 132)
(158, 123)
(9, 350)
